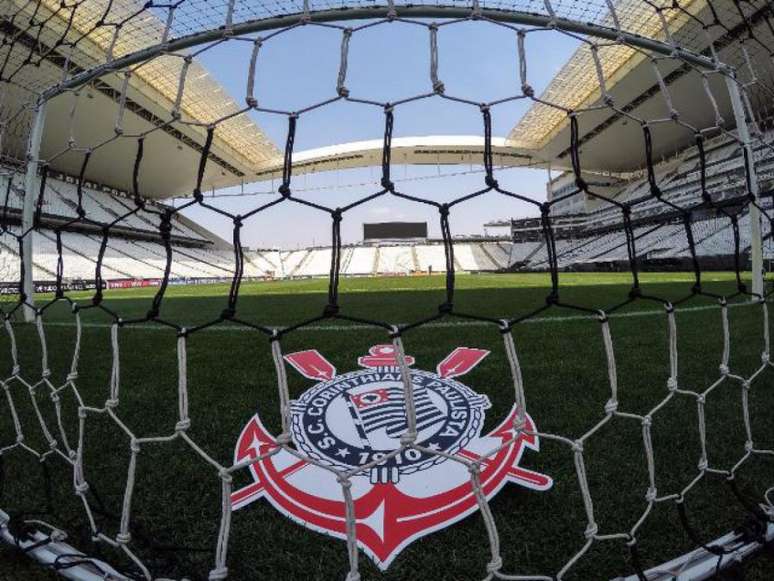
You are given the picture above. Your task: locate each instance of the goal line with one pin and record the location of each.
(431, 325)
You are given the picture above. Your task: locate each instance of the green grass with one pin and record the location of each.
(231, 377)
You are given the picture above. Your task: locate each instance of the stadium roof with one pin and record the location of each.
(102, 30)
(239, 144)
(428, 150)
(631, 80)
(577, 84)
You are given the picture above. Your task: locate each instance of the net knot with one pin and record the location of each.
(494, 565)
(703, 464)
(228, 313)
(16, 369)
(134, 446)
(491, 182)
(284, 190)
(225, 475)
(591, 530)
(111, 403)
(408, 438)
(353, 576)
(19, 439)
(46, 373)
(528, 90)
(218, 574)
(651, 494)
(183, 425)
(123, 538)
(283, 439)
(198, 196)
(445, 308)
(577, 447)
(724, 369)
(647, 421)
(81, 488)
(344, 480)
(749, 446)
(611, 406)
(765, 357)
(331, 310)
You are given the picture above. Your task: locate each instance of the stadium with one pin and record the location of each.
(386, 290)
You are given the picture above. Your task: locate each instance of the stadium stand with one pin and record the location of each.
(584, 240)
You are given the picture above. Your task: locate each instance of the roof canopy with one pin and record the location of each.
(129, 68)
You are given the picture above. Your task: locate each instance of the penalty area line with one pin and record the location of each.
(432, 325)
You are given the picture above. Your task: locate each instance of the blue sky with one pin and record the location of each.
(297, 69)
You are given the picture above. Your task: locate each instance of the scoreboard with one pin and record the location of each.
(394, 230)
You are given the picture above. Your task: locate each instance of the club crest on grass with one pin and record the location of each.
(353, 423)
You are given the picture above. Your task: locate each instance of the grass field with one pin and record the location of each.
(231, 376)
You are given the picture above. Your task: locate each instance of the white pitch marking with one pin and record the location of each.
(433, 325)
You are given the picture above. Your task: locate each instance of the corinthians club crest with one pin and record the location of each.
(357, 418)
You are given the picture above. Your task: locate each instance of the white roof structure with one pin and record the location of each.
(150, 93)
(427, 150)
(69, 40)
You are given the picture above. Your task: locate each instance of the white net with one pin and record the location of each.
(680, 91)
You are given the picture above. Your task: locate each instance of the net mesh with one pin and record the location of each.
(710, 194)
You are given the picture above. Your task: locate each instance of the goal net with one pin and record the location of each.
(566, 429)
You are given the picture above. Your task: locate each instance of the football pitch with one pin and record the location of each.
(231, 376)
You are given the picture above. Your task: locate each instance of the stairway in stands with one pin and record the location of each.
(496, 265)
(302, 263)
(375, 267)
(414, 258)
(346, 259)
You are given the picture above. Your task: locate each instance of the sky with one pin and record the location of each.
(477, 61)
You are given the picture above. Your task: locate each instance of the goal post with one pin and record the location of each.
(31, 192)
(756, 238)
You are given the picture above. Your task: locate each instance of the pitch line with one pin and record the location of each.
(432, 325)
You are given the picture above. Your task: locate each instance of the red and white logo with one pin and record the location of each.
(356, 419)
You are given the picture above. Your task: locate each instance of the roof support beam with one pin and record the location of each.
(380, 12)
